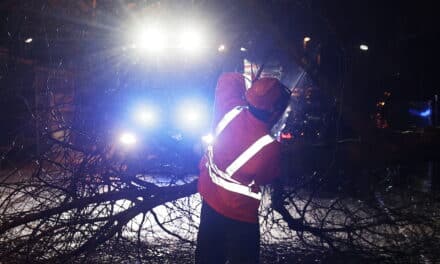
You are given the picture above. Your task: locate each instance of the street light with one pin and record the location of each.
(306, 41)
(363, 47)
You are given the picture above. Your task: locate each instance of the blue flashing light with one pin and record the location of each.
(146, 117)
(425, 113)
(192, 116)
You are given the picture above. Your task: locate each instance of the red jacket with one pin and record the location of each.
(237, 136)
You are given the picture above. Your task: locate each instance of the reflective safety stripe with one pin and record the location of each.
(224, 178)
(248, 154)
(215, 169)
(227, 118)
(233, 187)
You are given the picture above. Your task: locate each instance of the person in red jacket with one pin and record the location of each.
(242, 157)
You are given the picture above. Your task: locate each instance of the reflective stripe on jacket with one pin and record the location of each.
(224, 178)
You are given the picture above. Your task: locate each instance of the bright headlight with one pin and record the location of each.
(149, 38)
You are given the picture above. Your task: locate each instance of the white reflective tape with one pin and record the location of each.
(214, 167)
(248, 154)
(227, 118)
(233, 187)
(223, 174)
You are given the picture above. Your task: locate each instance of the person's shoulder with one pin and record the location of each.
(273, 149)
(270, 154)
(260, 133)
(275, 145)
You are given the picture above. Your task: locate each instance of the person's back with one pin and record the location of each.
(243, 157)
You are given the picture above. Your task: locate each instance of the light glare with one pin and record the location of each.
(363, 47)
(128, 138)
(208, 139)
(191, 40)
(151, 39)
(307, 39)
(191, 115)
(28, 40)
(145, 116)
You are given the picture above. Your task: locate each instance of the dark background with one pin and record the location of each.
(83, 37)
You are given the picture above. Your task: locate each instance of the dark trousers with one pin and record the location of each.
(222, 239)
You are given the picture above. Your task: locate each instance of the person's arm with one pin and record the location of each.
(229, 93)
